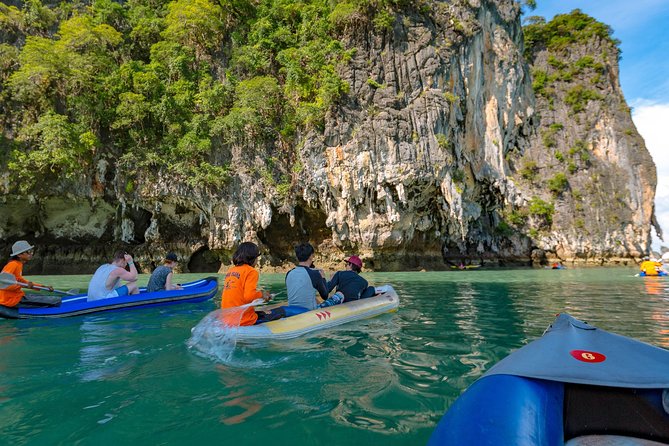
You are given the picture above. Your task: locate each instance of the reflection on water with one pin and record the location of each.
(8, 336)
(128, 377)
(655, 285)
(238, 399)
(104, 353)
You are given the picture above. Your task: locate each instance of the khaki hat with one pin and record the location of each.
(20, 247)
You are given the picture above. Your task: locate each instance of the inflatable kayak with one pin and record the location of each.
(291, 327)
(659, 274)
(193, 292)
(576, 385)
(385, 301)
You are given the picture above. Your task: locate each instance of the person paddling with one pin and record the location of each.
(13, 296)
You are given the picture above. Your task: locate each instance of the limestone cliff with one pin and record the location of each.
(441, 152)
(412, 169)
(587, 159)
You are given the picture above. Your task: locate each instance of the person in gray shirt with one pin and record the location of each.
(161, 278)
(304, 281)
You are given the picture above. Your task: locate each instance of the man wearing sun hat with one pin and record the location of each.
(350, 285)
(12, 295)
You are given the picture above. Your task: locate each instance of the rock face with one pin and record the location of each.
(411, 169)
(587, 158)
(440, 153)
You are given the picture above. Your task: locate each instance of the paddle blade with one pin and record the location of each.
(7, 279)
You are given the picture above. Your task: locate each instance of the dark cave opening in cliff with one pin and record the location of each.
(204, 261)
(141, 219)
(280, 237)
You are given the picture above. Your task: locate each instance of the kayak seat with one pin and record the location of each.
(610, 440)
(613, 411)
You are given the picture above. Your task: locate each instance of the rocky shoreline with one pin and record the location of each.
(84, 260)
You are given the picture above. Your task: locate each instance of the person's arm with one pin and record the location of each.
(370, 291)
(251, 292)
(169, 285)
(318, 282)
(362, 285)
(12, 269)
(29, 283)
(128, 276)
(329, 286)
(32, 285)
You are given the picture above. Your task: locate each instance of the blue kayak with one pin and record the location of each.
(659, 274)
(193, 292)
(576, 385)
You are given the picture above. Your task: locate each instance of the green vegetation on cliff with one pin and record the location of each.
(563, 31)
(163, 85)
(571, 60)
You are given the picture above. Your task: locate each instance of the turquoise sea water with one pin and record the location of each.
(128, 377)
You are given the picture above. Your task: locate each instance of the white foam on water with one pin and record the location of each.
(108, 418)
(94, 405)
(215, 336)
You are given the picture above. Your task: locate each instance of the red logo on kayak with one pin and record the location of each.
(323, 315)
(587, 356)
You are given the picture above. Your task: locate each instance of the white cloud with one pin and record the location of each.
(652, 121)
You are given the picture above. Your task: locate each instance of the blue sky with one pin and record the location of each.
(643, 28)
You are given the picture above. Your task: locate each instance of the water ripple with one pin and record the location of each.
(387, 380)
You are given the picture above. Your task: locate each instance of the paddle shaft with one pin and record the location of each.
(9, 280)
(257, 302)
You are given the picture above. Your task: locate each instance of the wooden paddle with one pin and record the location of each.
(7, 280)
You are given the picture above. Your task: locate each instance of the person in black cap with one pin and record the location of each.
(161, 278)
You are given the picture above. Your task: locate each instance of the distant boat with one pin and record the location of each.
(463, 267)
(576, 385)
